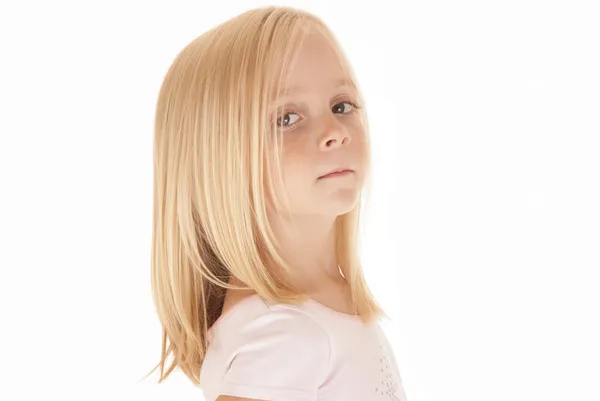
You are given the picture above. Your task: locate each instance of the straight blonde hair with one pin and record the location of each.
(216, 162)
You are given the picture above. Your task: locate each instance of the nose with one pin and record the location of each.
(334, 136)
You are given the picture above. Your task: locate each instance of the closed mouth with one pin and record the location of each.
(337, 172)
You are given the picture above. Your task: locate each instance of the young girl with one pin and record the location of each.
(261, 156)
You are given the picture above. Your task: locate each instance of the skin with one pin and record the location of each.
(320, 132)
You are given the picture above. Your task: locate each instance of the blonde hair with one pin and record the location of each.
(213, 156)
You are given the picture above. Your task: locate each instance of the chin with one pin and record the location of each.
(339, 202)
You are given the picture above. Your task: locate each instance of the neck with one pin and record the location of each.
(309, 247)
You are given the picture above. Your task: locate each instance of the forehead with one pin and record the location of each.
(315, 66)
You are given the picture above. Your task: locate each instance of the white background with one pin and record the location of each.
(482, 238)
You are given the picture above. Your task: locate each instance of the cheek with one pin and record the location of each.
(296, 175)
(361, 152)
(297, 172)
(363, 141)
(296, 159)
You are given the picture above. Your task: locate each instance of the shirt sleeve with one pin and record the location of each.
(282, 355)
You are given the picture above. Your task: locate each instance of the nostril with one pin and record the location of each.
(331, 142)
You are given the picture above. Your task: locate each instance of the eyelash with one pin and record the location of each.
(354, 104)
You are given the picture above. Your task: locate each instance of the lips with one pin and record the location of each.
(337, 172)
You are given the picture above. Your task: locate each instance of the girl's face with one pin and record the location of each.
(321, 132)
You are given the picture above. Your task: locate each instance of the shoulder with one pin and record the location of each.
(255, 331)
(271, 351)
(264, 350)
(251, 318)
(288, 323)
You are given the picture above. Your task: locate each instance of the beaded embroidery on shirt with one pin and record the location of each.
(389, 386)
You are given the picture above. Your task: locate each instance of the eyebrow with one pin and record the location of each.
(296, 90)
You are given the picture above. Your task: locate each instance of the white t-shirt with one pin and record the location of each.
(307, 352)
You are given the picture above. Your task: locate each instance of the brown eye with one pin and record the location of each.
(339, 107)
(286, 119)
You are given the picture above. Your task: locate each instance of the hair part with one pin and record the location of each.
(215, 168)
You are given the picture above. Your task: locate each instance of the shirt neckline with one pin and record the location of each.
(346, 316)
(343, 315)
